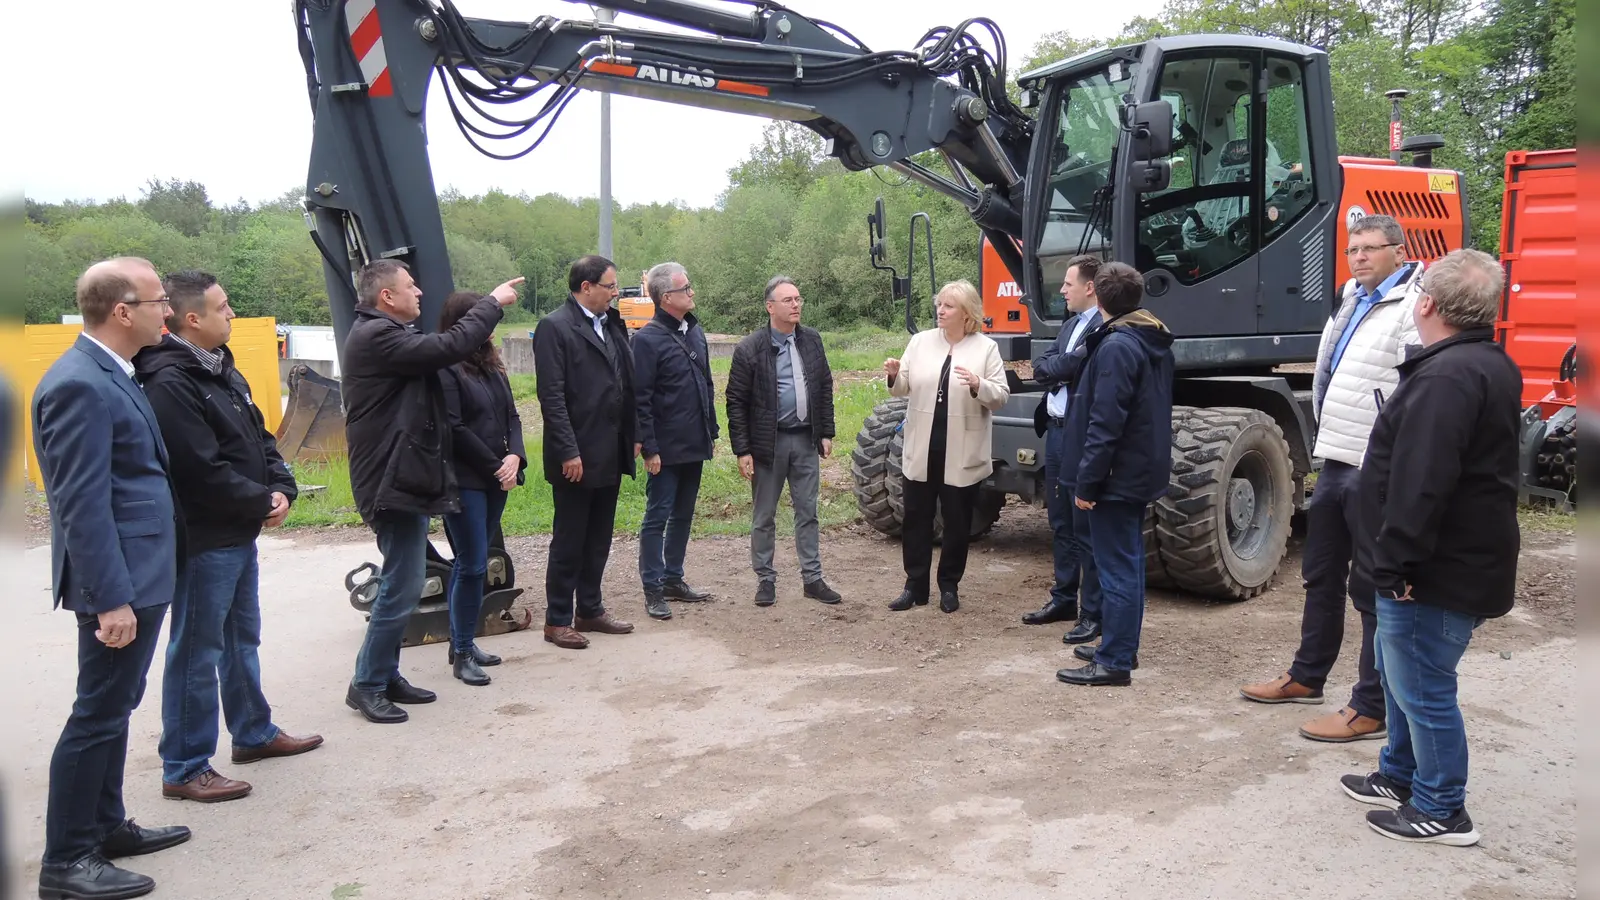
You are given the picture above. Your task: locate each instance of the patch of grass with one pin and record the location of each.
(1546, 519)
(725, 501)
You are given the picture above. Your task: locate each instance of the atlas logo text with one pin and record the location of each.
(701, 78)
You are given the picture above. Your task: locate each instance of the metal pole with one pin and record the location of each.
(1396, 131)
(605, 17)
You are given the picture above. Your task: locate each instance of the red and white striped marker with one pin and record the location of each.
(366, 39)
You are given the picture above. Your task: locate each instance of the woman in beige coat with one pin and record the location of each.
(955, 379)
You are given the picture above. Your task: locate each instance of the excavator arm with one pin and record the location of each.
(370, 63)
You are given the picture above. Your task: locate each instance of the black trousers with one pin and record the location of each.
(916, 534)
(85, 802)
(580, 545)
(1332, 521)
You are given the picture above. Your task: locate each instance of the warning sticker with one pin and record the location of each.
(1442, 184)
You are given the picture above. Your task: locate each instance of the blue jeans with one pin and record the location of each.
(1117, 531)
(1418, 648)
(1090, 602)
(469, 532)
(1065, 549)
(403, 541)
(669, 499)
(216, 636)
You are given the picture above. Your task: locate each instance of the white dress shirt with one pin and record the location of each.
(1056, 403)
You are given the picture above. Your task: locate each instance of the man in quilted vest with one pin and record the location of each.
(1357, 361)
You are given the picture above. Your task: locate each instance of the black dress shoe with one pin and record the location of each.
(375, 706)
(92, 878)
(1054, 611)
(1082, 633)
(908, 599)
(655, 606)
(680, 590)
(819, 591)
(766, 593)
(1094, 674)
(949, 602)
(131, 840)
(1086, 653)
(478, 656)
(402, 691)
(467, 669)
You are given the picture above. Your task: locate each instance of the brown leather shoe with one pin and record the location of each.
(207, 787)
(562, 636)
(1344, 726)
(284, 744)
(1282, 689)
(606, 624)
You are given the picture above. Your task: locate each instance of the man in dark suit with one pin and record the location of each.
(397, 429)
(677, 430)
(585, 372)
(115, 540)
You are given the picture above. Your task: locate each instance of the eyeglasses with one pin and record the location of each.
(686, 289)
(610, 287)
(788, 301)
(1358, 251)
(163, 301)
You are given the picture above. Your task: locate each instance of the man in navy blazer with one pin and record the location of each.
(115, 539)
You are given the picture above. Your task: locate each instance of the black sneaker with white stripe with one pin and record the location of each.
(1375, 789)
(1408, 824)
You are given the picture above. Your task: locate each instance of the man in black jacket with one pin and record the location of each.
(677, 430)
(585, 372)
(229, 481)
(398, 433)
(780, 418)
(1118, 460)
(1439, 542)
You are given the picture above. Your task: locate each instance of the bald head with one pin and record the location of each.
(105, 284)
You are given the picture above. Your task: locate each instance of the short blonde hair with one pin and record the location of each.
(968, 299)
(1467, 286)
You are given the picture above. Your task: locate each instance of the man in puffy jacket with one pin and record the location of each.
(1117, 460)
(398, 432)
(1439, 543)
(1361, 349)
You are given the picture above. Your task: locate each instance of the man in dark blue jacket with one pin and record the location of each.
(1119, 439)
(677, 428)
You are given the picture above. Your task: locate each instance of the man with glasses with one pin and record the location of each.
(586, 395)
(115, 542)
(780, 418)
(1357, 365)
(677, 430)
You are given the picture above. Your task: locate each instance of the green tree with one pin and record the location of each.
(180, 205)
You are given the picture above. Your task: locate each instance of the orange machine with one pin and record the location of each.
(1427, 202)
(1539, 248)
(635, 305)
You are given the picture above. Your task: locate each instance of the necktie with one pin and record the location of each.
(799, 380)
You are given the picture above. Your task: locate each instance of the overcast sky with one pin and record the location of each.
(215, 92)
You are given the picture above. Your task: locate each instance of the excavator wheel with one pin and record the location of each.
(880, 485)
(1223, 527)
(1155, 568)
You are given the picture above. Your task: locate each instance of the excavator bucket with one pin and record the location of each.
(312, 429)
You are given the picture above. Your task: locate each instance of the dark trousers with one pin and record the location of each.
(85, 803)
(1332, 520)
(1065, 548)
(580, 544)
(469, 532)
(669, 502)
(213, 652)
(403, 541)
(1117, 530)
(1090, 601)
(916, 543)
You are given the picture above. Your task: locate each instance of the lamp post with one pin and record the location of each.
(605, 17)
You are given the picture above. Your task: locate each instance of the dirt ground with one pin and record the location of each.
(806, 751)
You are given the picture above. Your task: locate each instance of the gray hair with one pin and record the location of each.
(659, 279)
(775, 283)
(1392, 232)
(1467, 286)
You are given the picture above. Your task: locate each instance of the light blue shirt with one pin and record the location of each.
(1364, 304)
(1056, 404)
(598, 323)
(788, 414)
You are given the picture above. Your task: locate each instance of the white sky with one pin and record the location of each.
(215, 92)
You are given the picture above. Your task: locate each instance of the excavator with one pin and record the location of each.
(1207, 161)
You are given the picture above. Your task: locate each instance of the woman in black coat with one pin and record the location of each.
(487, 451)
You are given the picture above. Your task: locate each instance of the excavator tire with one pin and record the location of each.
(1223, 528)
(1155, 568)
(880, 485)
(312, 429)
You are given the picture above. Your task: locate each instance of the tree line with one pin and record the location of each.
(1490, 78)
